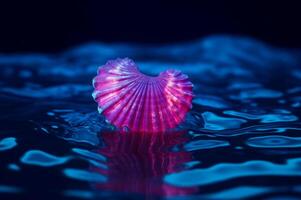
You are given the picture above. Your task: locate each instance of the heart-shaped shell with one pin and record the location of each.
(141, 103)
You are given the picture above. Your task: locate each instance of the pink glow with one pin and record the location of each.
(137, 163)
(141, 103)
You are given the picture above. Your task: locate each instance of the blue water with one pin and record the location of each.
(241, 140)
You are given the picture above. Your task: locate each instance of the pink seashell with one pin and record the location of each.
(141, 103)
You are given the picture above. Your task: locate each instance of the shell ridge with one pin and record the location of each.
(109, 79)
(116, 87)
(139, 110)
(186, 94)
(129, 103)
(110, 98)
(165, 112)
(176, 87)
(161, 103)
(108, 102)
(156, 111)
(172, 92)
(142, 119)
(147, 111)
(158, 105)
(152, 109)
(117, 112)
(174, 104)
(168, 110)
(134, 105)
(105, 77)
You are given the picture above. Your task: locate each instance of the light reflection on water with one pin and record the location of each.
(240, 140)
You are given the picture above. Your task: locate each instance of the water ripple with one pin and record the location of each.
(95, 159)
(227, 171)
(210, 101)
(84, 175)
(246, 94)
(205, 144)
(85, 194)
(13, 167)
(58, 92)
(274, 141)
(215, 122)
(257, 94)
(89, 154)
(240, 192)
(256, 129)
(264, 118)
(42, 159)
(7, 143)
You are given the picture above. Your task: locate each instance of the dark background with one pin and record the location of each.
(50, 26)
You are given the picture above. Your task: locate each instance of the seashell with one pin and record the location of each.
(132, 100)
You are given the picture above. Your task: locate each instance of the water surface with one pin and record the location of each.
(240, 140)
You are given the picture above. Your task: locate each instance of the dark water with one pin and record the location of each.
(241, 140)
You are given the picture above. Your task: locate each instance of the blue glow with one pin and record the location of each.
(84, 175)
(205, 144)
(294, 90)
(210, 101)
(285, 197)
(264, 118)
(274, 141)
(96, 159)
(83, 138)
(257, 94)
(243, 85)
(97, 164)
(90, 154)
(297, 73)
(214, 122)
(239, 192)
(191, 164)
(13, 167)
(82, 127)
(50, 113)
(85, 194)
(45, 130)
(7, 143)
(297, 188)
(25, 74)
(296, 105)
(227, 171)
(9, 189)
(61, 91)
(63, 110)
(42, 159)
